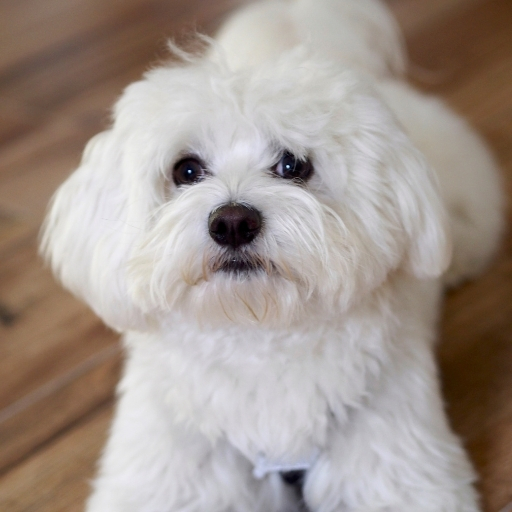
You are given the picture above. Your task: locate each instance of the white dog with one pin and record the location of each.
(261, 227)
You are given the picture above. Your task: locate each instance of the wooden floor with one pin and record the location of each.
(62, 63)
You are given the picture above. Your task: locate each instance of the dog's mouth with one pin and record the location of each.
(239, 265)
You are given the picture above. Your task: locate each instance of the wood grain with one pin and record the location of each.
(62, 65)
(56, 478)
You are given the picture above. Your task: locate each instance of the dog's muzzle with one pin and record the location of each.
(234, 226)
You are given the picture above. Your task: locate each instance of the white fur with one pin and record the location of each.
(330, 346)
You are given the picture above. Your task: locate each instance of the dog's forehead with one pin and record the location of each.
(289, 106)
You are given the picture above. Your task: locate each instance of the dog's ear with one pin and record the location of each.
(394, 191)
(87, 236)
(422, 213)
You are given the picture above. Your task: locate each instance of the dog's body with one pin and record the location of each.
(272, 245)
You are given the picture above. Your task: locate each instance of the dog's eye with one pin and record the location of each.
(188, 171)
(292, 168)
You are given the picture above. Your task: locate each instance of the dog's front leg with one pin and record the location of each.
(396, 453)
(153, 464)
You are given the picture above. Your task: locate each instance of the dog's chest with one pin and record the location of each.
(272, 398)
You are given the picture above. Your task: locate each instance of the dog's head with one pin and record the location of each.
(256, 196)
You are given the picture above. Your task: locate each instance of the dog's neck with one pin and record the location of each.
(244, 369)
(308, 334)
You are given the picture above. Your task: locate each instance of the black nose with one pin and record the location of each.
(234, 224)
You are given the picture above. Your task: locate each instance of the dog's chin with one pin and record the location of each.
(243, 290)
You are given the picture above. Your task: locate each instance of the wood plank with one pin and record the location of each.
(414, 15)
(469, 39)
(16, 118)
(56, 479)
(24, 25)
(25, 38)
(492, 452)
(32, 168)
(70, 361)
(134, 38)
(27, 424)
(51, 332)
(13, 231)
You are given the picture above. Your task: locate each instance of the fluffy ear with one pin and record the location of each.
(422, 213)
(86, 236)
(395, 192)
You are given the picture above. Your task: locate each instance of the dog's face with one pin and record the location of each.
(251, 197)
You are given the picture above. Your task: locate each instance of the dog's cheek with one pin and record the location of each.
(162, 272)
(172, 260)
(356, 265)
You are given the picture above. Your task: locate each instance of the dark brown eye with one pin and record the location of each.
(292, 168)
(188, 171)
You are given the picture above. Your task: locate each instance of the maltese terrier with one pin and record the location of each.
(270, 225)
